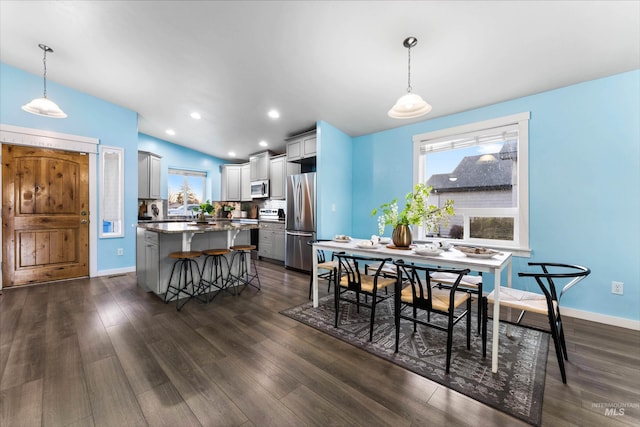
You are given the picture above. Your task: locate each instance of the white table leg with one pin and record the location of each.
(496, 321)
(314, 271)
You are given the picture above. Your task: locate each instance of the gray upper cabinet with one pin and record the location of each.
(235, 183)
(301, 147)
(231, 183)
(149, 175)
(245, 182)
(277, 186)
(279, 170)
(260, 166)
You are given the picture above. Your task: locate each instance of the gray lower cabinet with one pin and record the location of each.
(271, 240)
(148, 260)
(153, 265)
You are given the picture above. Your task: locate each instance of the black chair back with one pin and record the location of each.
(419, 278)
(321, 255)
(349, 268)
(552, 271)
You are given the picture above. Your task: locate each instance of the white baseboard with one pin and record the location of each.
(602, 318)
(115, 271)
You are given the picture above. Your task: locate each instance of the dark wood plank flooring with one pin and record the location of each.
(103, 352)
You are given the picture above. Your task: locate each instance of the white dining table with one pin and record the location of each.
(451, 258)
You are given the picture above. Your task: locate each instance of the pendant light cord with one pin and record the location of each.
(44, 61)
(409, 71)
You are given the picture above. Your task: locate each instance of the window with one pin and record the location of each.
(186, 191)
(483, 168)
(111, 192)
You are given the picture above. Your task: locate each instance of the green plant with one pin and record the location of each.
(205, 207)
(417, 211)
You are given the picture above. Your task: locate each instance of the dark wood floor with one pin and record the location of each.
(102, 352)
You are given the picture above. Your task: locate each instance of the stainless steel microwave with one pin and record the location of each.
(259, 189)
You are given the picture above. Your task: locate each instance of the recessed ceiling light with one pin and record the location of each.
(171, 132)
(273, 114)
(263, 143)
(232, 154)
(196, 115)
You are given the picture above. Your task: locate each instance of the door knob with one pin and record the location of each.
(84, 221)
(83, 213)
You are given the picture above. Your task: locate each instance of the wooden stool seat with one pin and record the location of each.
(220, 251)
(185, 255)
(243, 247)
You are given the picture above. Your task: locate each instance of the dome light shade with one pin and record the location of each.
(44, 107)
(409, 106)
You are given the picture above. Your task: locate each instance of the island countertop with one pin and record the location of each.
(192, 227)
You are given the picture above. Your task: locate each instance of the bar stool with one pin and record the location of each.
(216, 279)
(185, 262)
(241, 252)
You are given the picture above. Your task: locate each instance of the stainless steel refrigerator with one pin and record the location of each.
(300, 220)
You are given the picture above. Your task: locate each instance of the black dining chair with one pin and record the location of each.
(469, 283)
(349, 279)
(326, 268)
(547, 303)
(415, 291)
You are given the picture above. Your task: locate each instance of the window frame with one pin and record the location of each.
(118, 224)
(187, 173)
(520, 244)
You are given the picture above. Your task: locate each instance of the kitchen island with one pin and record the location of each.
(155, 241)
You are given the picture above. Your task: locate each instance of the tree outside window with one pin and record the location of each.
(186, 190)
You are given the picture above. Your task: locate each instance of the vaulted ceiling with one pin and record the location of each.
(342, 62)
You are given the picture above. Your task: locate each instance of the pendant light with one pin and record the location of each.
(411, 105)
(44, 106)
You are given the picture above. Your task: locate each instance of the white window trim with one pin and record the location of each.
(520, 246)
(194, 173)
(117, 150)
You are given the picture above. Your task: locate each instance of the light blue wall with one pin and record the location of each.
(584, 154)
(87, 116)
(178, 157)
(584, 190)
(334, 181)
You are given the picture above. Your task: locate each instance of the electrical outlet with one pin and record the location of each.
(120, 251)
(617, 288)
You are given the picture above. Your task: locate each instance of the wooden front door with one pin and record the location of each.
(45, 215)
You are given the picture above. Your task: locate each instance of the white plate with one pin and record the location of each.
(385, 240)
(477, 252)
(366, 245)
(347, 240)
(424, 252)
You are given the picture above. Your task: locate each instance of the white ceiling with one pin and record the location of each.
(341, 62)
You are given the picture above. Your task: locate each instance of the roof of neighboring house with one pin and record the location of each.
(478, 173)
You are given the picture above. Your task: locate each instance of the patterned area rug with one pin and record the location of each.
(517, 389)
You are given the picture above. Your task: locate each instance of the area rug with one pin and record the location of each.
(516, 389)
